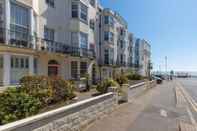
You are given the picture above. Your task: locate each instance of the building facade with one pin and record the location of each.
(142, 57)
(47, 37)
(114, 46)
(67, 38)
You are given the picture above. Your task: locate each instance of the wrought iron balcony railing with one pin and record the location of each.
(25, 40)
(58, 47)
(121, 63)
(15, 38)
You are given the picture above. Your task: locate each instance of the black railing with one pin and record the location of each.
(121, 63)
(16, 38)
(25, 40)
(113, 63)
(58, 47)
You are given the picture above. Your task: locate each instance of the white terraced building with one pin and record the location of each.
(66, 38)
(142, 57)
(114, 47)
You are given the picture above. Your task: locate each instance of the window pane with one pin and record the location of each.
(51, 3)
(106, 60)
(22, 63)
(35, 65)
(74, 38)
(75, 10)
(84, 12)
(74, 69)
(19, 26)
(83, 40)
(106, 36)
(83, 69)
(106, 19)
(12, 62)
(49, 34)
(27, 63)
(19, 15)
(16, 63)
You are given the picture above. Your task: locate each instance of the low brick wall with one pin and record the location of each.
(69, 118)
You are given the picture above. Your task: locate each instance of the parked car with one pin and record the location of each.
(158, 79)
(81, 85)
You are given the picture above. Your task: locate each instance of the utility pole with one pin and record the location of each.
(160, 70)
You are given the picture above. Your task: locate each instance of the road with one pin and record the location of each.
(155, 110)
(190, 84)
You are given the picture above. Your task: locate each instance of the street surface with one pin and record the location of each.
(154, 110)
(190, 84)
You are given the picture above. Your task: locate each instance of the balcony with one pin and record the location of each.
(58, 47)
(24, 40)
(113, 63)
(121, 63)
(16, 38)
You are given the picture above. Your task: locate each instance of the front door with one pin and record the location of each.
(53, 67)
(52, 71)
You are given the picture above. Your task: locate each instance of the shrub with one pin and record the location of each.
(103, 86)
(61, 89)
(39, 87)
(122, 79)
(134, 77)
(48, 90)
(15, 105)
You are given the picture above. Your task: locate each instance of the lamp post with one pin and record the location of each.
(166, 65)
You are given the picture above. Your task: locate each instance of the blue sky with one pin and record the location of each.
(169, 25)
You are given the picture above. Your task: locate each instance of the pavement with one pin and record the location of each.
(155, 110)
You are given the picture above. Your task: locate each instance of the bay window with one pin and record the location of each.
(108, 36)
(84, 12)
(19, 25)
(109, 20)
(80, 11)
(108, 56)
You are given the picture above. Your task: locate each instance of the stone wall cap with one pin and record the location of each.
(19, 123)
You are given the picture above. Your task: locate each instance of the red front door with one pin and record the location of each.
(52, 70)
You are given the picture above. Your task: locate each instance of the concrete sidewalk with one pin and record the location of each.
(153, 111)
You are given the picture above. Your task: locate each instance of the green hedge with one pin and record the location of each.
(15, 105)
(48, 89)
(134, 77)
(35, 93)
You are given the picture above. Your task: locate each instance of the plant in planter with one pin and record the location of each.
(122, 79)
(103, 86)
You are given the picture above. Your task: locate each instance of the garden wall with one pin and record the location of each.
(69, 118)
(138, 89)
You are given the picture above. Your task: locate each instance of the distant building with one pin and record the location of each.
(142, 57)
